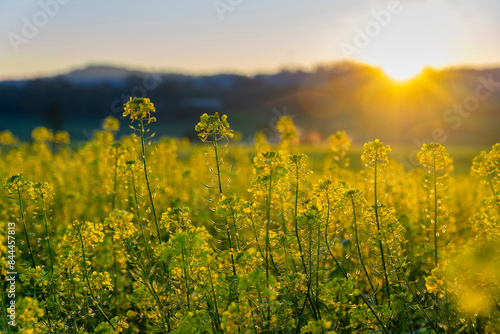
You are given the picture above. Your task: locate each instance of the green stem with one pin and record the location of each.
(50, 251)
(115, 268)
(494, 192)
(90, 287)
(378, 231)
(4, 313)
(217, 323)
(317, 267)
(186, 278)
(74, 312)
(230, 247)
(435, 215)
(21, 209)
(139, 217)
(359, 249)
(147, 182)
(147, 284)
(412, 293)
(268, 219)
(217, 162)
(346, 276)
(299, 243)
(47, 233)
(285, 233)
(268, 247)
(235, 229)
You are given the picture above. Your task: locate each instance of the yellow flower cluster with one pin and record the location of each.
(7, 138)
(435, 157)
(15, 184)
(177, 219)
(288, 132)
(375, 153)
(41, 134)
(139, 108)
(150, 250)
(41, 190)
(61, 137)
(487, 163)
(121, 222)
(111, 124)
(214, 126)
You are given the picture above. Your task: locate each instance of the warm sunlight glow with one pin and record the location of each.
(403, 70)
(423, 35)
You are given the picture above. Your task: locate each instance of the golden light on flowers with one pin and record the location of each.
(434, 156)
(487, 163)
(340, 145)
(375, 153)
(288, 133)
(261, 143)
(340, 249)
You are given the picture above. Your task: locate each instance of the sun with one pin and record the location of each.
(402, 69)
(424, 34)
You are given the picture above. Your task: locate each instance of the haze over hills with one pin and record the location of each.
(456, 105)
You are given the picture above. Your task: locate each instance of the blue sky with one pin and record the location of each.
(245, 36)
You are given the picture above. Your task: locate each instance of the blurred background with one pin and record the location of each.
(405, 72)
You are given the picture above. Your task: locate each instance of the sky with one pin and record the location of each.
(47, 37)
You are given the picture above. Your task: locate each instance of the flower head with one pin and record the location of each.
(340, 145)
(215, 126)
(41, 190)
(111, 124)
(41, 134)
(434, 156)
(177, 218)
(7, 138)
(15, 183)
(288, 132)
(139, 108)
(122, 224)
(375, 153)
(487, 163)
(339, 142)
(261, 143)
(61, 137)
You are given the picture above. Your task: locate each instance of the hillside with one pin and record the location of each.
(459, 105)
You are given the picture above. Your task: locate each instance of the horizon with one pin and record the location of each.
(215, 72)
(51, 37)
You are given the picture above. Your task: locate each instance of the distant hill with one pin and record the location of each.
(457, 105)
(92, 75)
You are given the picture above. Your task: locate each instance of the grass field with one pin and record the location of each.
(147, 235)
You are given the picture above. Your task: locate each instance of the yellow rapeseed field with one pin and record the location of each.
(140, 235)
